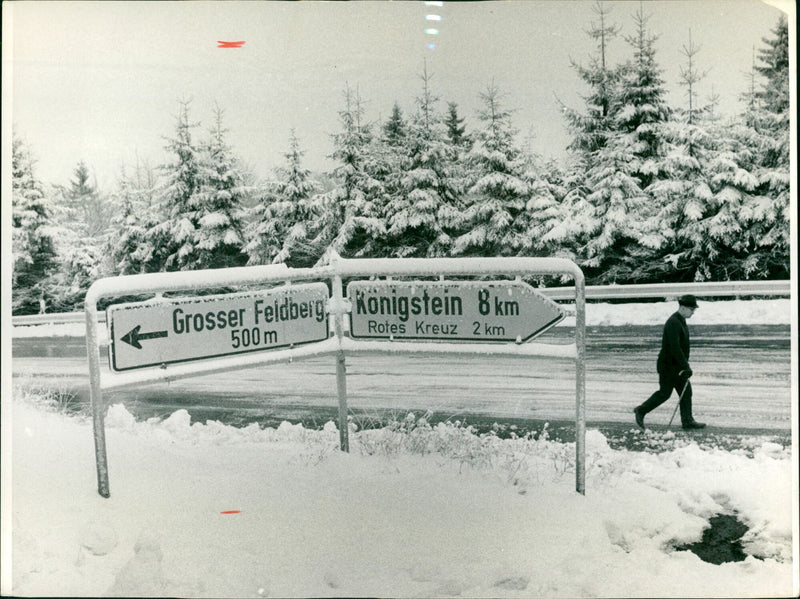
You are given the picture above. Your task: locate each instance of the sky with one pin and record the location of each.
(101, 82)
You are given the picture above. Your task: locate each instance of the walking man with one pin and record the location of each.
(673, 367)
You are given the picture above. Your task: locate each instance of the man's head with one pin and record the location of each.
(687, 305)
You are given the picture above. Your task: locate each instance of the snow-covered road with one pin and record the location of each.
(742, 380)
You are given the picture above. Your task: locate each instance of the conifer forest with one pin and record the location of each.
(648, 192)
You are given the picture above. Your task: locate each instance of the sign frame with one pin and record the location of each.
(334, 273)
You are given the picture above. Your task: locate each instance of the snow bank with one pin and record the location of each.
(750, 312)
(208, 510)
(71, 329)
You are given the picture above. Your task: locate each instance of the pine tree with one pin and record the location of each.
(421, 216)
(219, 236)
(495, 220)
(629, 234)
(690, 76)
(349, 217)
(81, 265)
(767, 213)
(394, 129)
(643, 107)
(173, 239)
(683, 195)
(747, 230)
(619, 226)
(128, 243)
(82, 217)
(33, 247)
(774, 68)
(544, 210)
(456, 130)
(279, 223)
(590, 130)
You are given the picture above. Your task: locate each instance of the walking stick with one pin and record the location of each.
(680, 399)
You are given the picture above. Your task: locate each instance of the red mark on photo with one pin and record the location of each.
(229, 44)
(232, 512)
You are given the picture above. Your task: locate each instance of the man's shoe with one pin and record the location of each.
(639, 418)
(693, 425)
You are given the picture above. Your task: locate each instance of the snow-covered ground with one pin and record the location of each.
(209, 510)
(421, 512)
(756, 312)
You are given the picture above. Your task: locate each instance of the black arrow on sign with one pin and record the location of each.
(134, 336)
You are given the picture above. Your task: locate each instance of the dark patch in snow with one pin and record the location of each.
(721, 542)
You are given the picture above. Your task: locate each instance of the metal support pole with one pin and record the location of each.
(341, 370)
(341, 388)
(96, 396)
(580, 383)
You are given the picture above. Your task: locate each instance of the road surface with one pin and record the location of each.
(741, 382)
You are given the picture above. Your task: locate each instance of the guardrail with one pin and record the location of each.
(593, 292)
(673, 290)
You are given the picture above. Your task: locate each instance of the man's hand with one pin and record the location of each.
(685, 373)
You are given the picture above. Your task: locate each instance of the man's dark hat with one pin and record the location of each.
(688, 300)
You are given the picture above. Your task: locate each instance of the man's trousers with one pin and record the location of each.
(667, 381)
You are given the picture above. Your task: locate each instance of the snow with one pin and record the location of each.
(412, 510)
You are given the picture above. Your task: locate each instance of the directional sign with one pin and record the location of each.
(164, 332)
(449, 310)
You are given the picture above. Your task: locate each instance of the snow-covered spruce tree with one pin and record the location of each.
(456, 129)
(494, 221)
(749, 228)
(643, 107)
(544, 209)
(421, 217)
(683, 195)
(173, 239)
(81, 265)
(219, 236)
(626, 245)
(33, 248)
(129, 245)
(395, 128)
(86, 211)
(590, 129)
(771, 219)
(348, 218)
(774, 68)
(82, 217)
(390, 160)
(459, 168)
(278, 224)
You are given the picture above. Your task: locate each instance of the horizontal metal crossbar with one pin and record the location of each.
(593, 292)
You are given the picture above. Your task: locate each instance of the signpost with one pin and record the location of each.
(179, 330)
(212, 331)
(450, 310)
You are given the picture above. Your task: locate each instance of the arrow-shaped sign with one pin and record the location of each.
(134, 336)
(474, 311)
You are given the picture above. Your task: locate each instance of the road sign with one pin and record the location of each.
(179, 330)
(450, 310)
